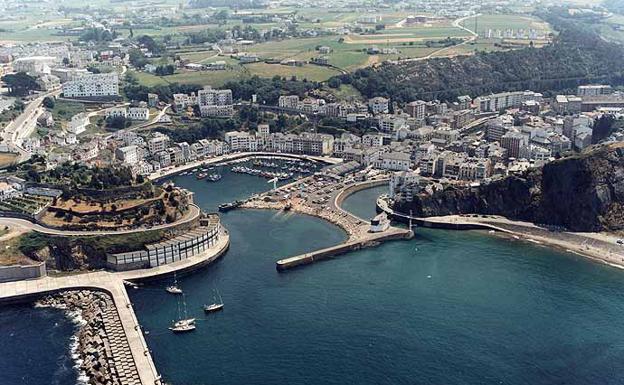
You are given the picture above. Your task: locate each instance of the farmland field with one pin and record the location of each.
(504, 22)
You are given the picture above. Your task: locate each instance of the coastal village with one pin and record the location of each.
(104, 127)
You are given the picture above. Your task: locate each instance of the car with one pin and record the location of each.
(620, 242)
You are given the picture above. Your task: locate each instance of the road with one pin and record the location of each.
(24, 224)
(436, 53)
(23, 126)
(152, 121)
(219, 52)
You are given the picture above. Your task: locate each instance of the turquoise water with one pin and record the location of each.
(362, 203)
(444, 308)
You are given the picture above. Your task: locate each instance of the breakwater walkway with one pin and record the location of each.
(322, 199)
(133, 355)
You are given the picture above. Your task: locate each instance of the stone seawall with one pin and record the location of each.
(103, 353)
(374, 239)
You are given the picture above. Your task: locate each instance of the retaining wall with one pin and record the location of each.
(19, 273)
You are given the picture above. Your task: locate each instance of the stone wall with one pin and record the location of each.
(18, 272)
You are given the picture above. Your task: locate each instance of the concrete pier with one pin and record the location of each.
(136, 352)
(373, 239)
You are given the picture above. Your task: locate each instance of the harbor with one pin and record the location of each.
(129, 362)
(326, 299)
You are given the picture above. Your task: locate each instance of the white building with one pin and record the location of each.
(157, 144)
(215, 102)
(138, 113)
(36, 65)
(394, 161)
(504, 100)
(78, 123)
(92, 85)
(128, 154)
(288, 101)
(594, 90)
(378, 105)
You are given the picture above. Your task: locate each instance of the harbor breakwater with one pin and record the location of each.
(102, 354)
(371, 240)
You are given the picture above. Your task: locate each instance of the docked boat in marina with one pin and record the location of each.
(214, 178)
(229, 206)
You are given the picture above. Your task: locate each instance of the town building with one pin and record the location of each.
(92, 85)
(215, 102)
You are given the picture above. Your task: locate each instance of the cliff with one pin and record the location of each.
(581, 193)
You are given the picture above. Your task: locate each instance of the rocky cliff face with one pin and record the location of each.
(582, 193)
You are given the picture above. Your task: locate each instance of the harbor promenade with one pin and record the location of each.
(132, 354)
(238, 156)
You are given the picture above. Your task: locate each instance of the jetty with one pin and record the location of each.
(323, 198)
(131, 356)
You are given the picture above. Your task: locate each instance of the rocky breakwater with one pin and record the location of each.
(584, 192)
(102, 353)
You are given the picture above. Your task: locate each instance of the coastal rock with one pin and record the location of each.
(582, 193)
(100, 328)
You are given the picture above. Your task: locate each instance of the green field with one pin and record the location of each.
(505, 21)
(613, 28)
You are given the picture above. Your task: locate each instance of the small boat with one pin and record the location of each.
(182, 328)
(213, 307)
(214, 178)
(183, 324)
(216, 306)
(229, 206)
(174, 289)
(201, 175)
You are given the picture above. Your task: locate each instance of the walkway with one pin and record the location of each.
(112, 283)
(193, 213)
(602, 247)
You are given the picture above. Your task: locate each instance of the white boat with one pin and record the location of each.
(216, 306)
(182, 328)
(174, 289)
(183, 324)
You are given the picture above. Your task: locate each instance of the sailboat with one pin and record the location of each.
(215, 306)
(183, 324)
(174, 289)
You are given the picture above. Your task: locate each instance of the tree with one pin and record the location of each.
(65, 61)
(118, 122)
(20, 84)
(151, 44)
(334, 82)
(48, 102)
(137, 58)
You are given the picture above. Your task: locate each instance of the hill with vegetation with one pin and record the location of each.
(577, 55)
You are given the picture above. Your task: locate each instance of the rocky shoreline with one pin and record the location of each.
(103, 354)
